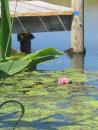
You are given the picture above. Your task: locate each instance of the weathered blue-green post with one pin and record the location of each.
(77, 29)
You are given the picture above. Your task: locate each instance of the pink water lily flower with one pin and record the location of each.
(63, 80)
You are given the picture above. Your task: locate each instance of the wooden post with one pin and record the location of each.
(77, 29)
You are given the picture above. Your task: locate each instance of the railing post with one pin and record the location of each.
(77, 29)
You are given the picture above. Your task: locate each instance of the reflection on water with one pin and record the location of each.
(78, 61)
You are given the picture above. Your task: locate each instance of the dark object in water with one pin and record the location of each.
(25, 42)
(70, 52)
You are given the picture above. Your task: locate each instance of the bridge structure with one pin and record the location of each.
(39, 16)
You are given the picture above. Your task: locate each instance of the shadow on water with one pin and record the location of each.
(77, 109)
(92, 83)
(42, 123)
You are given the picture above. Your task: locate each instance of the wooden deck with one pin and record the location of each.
(38, 8)
(38, 16)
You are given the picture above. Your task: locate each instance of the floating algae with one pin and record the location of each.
(49, 105)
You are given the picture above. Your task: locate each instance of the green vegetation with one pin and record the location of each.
(11, 66)
(49, 105)
(5, 38)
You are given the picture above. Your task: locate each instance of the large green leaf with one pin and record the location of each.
(43, 53)
(36, 61)
(42, 56)
(12, 67)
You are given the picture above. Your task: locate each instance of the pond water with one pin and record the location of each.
(61, 40)
(50, 106)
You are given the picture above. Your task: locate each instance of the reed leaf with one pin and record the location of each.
(5, 44)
